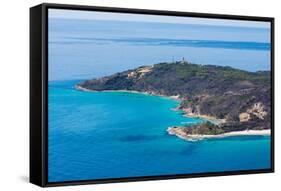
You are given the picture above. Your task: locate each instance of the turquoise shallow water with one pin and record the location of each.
(96, 135)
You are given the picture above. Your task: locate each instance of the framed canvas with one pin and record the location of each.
(130, 94)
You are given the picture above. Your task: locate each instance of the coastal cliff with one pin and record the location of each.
(231, 99)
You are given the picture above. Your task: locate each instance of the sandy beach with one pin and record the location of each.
(77, 87)
(175, 97)
(181, 134)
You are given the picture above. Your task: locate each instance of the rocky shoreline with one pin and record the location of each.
(227, 99)
(180, 131)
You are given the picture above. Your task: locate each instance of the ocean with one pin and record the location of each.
(83, 49)
(97, 135)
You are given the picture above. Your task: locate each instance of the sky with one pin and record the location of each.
(94, 15)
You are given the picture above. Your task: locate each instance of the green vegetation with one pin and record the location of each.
(217, 91)
(205, 128)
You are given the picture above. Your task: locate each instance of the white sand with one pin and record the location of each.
(179, 133)
(176, 97)
(83, 89)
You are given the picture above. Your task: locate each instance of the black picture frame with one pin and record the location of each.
(39, 92)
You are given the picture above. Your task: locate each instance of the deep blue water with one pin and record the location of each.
(95, 135)
(81, 49)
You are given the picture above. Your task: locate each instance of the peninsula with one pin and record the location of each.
(232, 101)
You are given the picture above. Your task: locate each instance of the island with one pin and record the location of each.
(230, 101)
